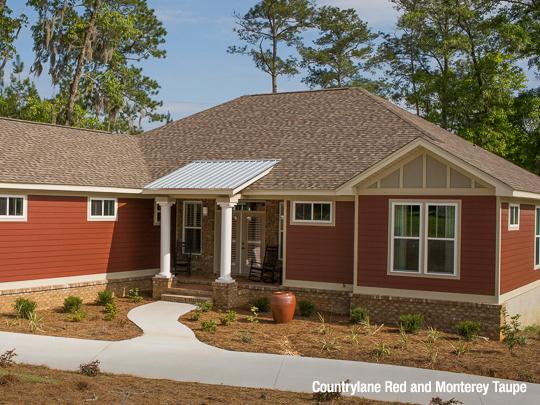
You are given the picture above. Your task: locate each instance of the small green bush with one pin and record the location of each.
(262, 303)
(468, 330)
(195, 315)
(72, 304)
(209, 325)
(205, 306)
(25, 308)
(77, 316)
(230, 317)
(134, 295)
(411, 323)
(105, 297)
(359, 315)
(110, 311)
(306, 308)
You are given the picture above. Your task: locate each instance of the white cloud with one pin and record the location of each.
(378, 13)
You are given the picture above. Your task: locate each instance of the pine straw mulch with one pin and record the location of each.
(336, 338)
(24, 384)
(54, 322)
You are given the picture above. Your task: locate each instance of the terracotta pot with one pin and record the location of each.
(283, 304)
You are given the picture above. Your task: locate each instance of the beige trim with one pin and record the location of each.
(428, 191)
(518, 291)
(432, 295)
(355, 250)
(290, 193)
(318, 285)
(526, 195)
(57, 187)
(16, 285)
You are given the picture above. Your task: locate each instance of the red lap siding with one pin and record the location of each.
(478, 246)
(517, 250)
(322, 253)
(59, 241)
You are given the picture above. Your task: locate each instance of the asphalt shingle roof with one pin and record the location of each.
(322, 139)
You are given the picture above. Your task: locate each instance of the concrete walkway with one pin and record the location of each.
(170, 350)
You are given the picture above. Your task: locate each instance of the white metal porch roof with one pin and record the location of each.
(229, 176)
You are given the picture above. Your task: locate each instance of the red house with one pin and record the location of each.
(367, 204)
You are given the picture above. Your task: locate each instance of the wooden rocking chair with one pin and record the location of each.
(268, 269)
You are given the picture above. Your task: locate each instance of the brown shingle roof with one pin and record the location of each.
(38, 153)
(322, 138)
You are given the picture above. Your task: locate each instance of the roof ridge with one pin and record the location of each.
(280, 93)
(56, 125)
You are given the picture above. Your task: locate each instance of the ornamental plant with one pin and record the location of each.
(411, 323)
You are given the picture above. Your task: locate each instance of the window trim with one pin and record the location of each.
(15, 218)
(157, 209)
(184, 203)
(423, 239)
(392, 237)
(536, 219)
(514, 227)
(281, 230)
(313, 222)
(102, 218)
(454, 239)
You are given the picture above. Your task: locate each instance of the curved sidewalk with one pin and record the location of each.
(170, 350)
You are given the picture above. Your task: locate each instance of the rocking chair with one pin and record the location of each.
(182, 262)
(268, 270)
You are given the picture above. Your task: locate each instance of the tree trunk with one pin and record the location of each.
(81, 61)
(274, 60)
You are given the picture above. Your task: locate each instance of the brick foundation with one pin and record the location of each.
(54, 295)
(159, 285)
(225, 295)
(443, 315)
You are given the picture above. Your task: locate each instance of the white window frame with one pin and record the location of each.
(311, 221)
(15, 218)
(511, 226)
(103, 218)
(392, 237)
(536, 235)
(157, 214)
(184, 227)
(281, 226)
(423, 236)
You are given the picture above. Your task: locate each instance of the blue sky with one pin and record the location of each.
(198, 72)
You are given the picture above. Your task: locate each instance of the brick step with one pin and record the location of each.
(191, 281)
(185, 299)
(191, 291)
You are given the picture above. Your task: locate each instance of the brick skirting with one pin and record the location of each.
(54, 295)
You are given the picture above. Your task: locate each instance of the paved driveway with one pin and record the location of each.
(170, 350)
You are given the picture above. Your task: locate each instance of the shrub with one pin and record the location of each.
(359, 315)
(532, 331)
(105, 297)
(205, 306)
(254, 315)
(6, 359)
(468, 330)
(195, 315)
(230, 317)
(134, 295)
(90, 369)
(77, 316)
(34, 323)
(380, 351)
(72, 304)
(262, 303)
(411, 323)
(306, 308)
(25, 308)
(512, 332)
(245, 336)
(209, 325)
(110, 311)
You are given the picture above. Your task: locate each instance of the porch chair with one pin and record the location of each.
(182, 262)
(268, 270)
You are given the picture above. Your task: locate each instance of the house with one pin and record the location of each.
(369, 205)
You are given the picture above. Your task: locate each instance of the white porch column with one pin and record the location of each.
(165, 240)
(226, 242)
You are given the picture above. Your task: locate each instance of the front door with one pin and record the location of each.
(247, 240)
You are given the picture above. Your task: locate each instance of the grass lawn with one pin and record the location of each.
(337, 338)
(54, 322)
(23, 384)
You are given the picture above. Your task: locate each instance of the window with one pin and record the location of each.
(192, 230)
(157, 214)
(13, 208)
(537, 240)
(406, 237)
(513, 217)
(315, 212)
(281, 223)
(424, 238)
(102, 209)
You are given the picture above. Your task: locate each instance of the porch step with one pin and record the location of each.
(190, 290)
(185, 299)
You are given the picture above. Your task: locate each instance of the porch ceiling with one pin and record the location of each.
(213, 176)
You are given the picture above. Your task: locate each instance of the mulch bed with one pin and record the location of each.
(334, 338)
(54, 322)
(23, 384)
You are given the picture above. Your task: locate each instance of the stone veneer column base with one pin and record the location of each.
(225, 295)
(159, 285)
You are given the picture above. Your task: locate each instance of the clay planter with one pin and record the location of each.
(283, 304)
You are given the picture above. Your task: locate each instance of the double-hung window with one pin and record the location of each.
(12, 208)
(102, 209)
(537, 240)
(424, 238)
(513, 217)
(312, 212)
(192, 230)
